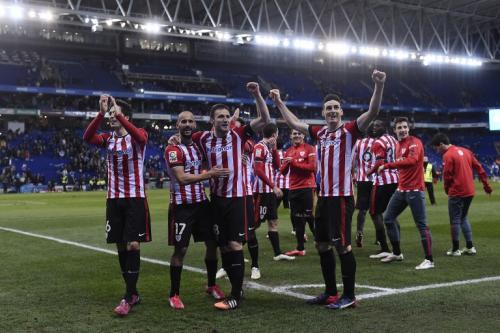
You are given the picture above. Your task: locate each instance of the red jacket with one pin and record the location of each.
(302, 166)
(458, 166)
(409, 161)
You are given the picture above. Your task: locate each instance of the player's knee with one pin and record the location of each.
(234, 246)
(178, 256)
(273, 225)
(322, 247)
(133, 246)
(341, 249)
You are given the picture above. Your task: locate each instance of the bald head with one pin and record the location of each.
(186, 124)
(185, 115)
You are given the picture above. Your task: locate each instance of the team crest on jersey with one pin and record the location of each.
(258, 152)
(403, 150)
(172, 157)
(302, 153)
(178, 238)
(367, 156)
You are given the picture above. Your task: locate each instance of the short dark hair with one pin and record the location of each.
(438, 139)
(217, 107)
(398, 120)
(269, 130)
(331, 97)
(241, 121)
(125, 107)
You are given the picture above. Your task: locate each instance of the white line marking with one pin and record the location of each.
(281, 290)
(320, 285)
(429, 286)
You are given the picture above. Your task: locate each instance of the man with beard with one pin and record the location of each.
(189, 210)
(410, 192)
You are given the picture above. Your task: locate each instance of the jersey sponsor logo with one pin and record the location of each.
(172, 157)
(219, 149)
(330, 142)
(120, 153)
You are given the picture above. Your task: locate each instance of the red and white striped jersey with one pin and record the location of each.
(282, 181)
(384, 149)
(261, 154)
(125, 167)
(226, 152)
(190, 158)
(336, 158)
(363, 159)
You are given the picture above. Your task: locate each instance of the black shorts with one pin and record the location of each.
(381, 194)
(363, 195)
(128, 220)
(285, 199)
(333, 220)
(232, 219)
(301, 202)
(189, 219)
(265, 207)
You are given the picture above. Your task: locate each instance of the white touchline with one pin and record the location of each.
(281, 290)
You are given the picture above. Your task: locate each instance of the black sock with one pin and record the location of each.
(293, 219)
(122, 258)
(381, 238)
(235, 272)
(253, 248)
(300, 229)
(211, 265)
(456, 245)
(430, 258)
(133, 266)
(310, 223)
(175, 280)
(348, 268)
(396, 250)
(468, 244)
(327, 261)
(274, 238)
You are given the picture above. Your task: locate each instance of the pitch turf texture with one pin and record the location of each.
(49, 286)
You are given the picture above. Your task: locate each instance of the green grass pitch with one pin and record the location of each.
(48, 286)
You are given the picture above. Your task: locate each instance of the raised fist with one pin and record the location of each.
(275, 95)
(378, 77)
(253, 88)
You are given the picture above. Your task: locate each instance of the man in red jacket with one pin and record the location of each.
(300, 161)
(410, 192)
(458, 166)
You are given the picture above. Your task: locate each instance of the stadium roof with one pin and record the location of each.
(448, 27)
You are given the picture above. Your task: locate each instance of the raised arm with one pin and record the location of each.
(90, 135)
(292, 121)
(366, 118)
(263, 116)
